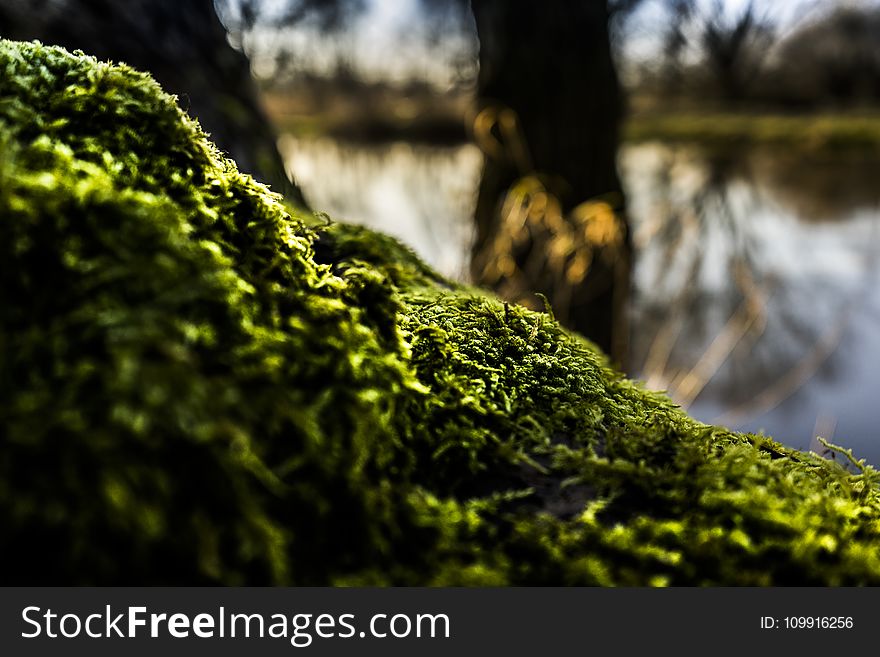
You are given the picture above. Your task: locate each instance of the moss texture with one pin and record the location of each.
(198, 387)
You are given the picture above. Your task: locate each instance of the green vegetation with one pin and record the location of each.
(840, 131)
(368, 112)
(726, 130)
(199, 387)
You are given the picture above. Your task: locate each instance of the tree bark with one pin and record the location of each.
(184, 46)
(549, 215)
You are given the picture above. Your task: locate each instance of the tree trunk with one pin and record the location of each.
(549, 215)
(184, 46)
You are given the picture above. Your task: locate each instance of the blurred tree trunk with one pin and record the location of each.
(549, 215)
(183, 44)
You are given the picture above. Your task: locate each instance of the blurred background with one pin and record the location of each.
(690, 183)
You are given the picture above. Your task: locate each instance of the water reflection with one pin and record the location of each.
(423, 195)
(756, 306)
(757, 280)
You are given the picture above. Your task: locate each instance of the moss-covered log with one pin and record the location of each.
(198, 387)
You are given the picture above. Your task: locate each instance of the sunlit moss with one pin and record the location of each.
(198, 387)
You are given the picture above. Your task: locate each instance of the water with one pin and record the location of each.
(756, 297)
(757, 293)
(422, 195)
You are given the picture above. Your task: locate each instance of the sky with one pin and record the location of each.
(392, 38)
(648, 22)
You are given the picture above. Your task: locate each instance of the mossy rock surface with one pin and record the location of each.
(198, 386)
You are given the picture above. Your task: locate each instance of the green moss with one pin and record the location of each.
(198, 387)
